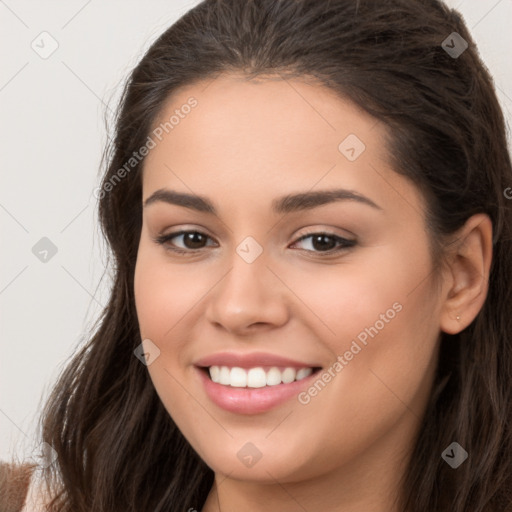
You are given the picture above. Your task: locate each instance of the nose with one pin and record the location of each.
(250, 296)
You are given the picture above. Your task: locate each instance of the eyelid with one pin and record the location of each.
(326, 231)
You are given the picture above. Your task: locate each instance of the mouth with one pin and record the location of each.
(257, 377)
(254, 390)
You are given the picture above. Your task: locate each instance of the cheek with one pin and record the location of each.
(164, 293)
(389, 333)
(379, 315)
(363, 294)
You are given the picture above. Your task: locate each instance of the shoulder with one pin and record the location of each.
(14, 485)
(36, 497)
(21, 488)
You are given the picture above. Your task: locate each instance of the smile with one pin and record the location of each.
(252, 383)
(257, 377)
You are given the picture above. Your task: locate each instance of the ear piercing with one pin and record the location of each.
(458, 318)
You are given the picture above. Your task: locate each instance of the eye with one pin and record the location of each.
(193, 241)
(326, 243)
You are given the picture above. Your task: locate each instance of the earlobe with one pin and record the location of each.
(469, 266)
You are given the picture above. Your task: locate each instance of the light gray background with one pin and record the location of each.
(52, 120)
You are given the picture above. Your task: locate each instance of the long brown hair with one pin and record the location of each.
(117, 447)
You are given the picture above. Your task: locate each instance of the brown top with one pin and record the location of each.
(14, 485)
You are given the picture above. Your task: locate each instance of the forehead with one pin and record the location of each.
(269, 135)
(277, 114)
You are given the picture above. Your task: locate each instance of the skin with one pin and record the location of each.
(245, 144)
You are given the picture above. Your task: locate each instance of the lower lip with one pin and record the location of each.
(252, 400)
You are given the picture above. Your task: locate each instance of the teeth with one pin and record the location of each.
(256, 377)
(302, 373)
(224, 376)
(273, 377)
(215, 373)
(238, 378)
(288, 375)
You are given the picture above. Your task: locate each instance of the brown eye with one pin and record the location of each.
(328, 243)
(191, 241)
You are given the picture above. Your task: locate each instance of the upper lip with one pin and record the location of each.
(250, 360)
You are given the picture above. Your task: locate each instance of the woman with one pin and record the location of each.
(308, 210)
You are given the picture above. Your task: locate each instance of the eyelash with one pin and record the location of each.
(345, 243)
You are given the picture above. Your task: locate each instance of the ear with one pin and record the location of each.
(468, 267)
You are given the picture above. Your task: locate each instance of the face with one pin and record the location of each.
(304, 275)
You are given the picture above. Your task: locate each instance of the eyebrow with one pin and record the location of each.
(286, 204)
